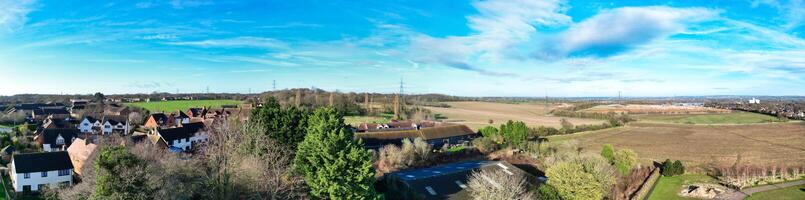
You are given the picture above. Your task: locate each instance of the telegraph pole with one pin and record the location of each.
(274, 85)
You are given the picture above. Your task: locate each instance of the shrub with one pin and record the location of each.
(667, 168)
(672, 169)
(514, 133)
(496, 184)
(485, 145)
(488, 131)
(547, 192)
(393, 158)
(608, 153)
(572, 182)
(624, 160)
(679, 169)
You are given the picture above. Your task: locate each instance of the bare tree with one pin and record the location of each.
(496, 184)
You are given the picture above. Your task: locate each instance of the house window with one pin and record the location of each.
(26, 175)
(107, 126)
(64, 172)
(26, 188)
(44, 174)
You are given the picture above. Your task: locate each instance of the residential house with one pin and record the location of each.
(158, 120)
(181, 118)
(116, 110)
(196, 112)
(111, 126)
(754, 101)
(90, 124)
(34, 171)
(57, 139)
(78, 105)
(182, 138)
(42, 113)
(437, 136)
(446, 181)
(79, 152)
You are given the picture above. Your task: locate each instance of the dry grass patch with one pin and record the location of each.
(477, 114)
(760, 144)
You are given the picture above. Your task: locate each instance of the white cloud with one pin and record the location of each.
(159, 37)
(614, 31)
(238, 42)
(13, 13)
(499, 25)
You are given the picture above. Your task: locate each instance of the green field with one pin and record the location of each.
(723, 118)
(357, 120)
(795, 192)
(170, 106)
(669, 187)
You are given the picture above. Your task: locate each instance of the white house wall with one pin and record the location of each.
(53, 179)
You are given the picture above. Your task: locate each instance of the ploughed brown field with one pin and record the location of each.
(477, 114)
(654, 109)
(751, 144)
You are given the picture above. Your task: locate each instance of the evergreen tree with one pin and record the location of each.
(120, 175)
(334, 165)
(667, 168)
(679, 169)
(287, 126)
(515, 133)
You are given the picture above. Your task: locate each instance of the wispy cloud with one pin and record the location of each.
(614, 31)
(238, 42)
(292, 25)
(159, 37)
(13, 14)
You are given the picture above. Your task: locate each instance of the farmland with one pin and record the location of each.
(719, 118)
(477, 114)
(654, 109)
(170, 106)
(357, 120)
(775, 143)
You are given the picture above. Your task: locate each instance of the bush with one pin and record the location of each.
(488, 131)
(393, 158)
(484, 145)
(514, 133)
(572, 182)
(679, 169)
(624, 160)
(547, 192)
(672, 169)
(608, 153)
(496, 184)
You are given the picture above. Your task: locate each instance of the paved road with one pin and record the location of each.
(748, 191)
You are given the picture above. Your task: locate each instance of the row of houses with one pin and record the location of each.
(447, 181)
(437, 134)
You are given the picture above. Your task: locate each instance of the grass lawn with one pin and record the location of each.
(172, 106)
(795, 192)
(722, 118)
(669, 187)
(357, 120)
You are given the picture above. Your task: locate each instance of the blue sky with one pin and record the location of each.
(470, 48)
